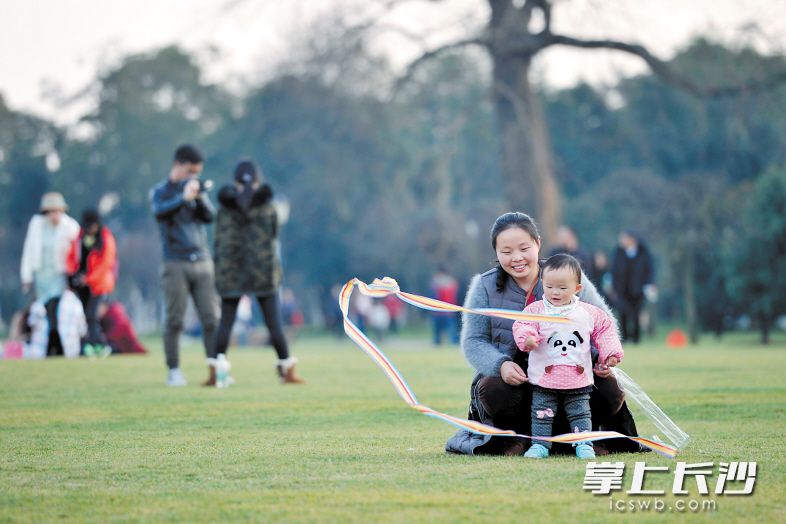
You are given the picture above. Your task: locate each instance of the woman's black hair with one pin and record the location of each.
(91, 217)
(509, 221)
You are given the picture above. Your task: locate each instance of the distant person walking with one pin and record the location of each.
(183, 210)
(247, 261)
(445, 288)
(91, 264)
(633, 276)
(568, 243)
(600, 274)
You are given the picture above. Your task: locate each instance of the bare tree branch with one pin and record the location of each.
(402, 31)
(428, 55)
(544, 6)
(662, 69)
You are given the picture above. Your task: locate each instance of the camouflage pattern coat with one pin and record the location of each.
(245, 244)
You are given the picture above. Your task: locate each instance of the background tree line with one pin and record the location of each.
(381, 185)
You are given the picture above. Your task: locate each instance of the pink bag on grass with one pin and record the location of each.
(13, 349)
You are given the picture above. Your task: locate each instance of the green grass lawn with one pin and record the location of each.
(106, 440)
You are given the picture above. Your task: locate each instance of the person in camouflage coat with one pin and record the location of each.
(245, 244)
(246, 261)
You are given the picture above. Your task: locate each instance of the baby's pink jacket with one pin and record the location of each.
(562, 359)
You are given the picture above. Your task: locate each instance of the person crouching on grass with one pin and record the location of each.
(560, 362)
(92, 262)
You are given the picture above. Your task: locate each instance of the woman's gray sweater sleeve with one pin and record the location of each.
(476, 334)
(590, 295)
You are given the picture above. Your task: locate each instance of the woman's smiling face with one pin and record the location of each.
(517, 253)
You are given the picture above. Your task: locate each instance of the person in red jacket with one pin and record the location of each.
(118, 329)
(92, 264)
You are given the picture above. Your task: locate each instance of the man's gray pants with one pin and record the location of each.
(180, 279)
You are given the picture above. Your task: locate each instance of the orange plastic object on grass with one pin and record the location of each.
(676, 339)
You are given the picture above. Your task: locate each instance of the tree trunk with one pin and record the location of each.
(527, 170)
(689, 289)
(765, 330)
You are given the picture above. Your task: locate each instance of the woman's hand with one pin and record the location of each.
(512, 374)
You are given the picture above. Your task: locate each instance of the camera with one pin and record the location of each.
(205, 185)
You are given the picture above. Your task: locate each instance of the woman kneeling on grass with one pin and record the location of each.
(247, 263)
(500, 395)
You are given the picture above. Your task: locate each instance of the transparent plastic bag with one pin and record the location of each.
(635, 394)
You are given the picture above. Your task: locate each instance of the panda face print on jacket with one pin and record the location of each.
(565, 344)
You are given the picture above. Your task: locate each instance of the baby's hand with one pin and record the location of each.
(530, 343)
(612, 361)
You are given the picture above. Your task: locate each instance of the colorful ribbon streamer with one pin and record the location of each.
(380, 288)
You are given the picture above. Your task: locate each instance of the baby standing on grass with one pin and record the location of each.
(560, 362)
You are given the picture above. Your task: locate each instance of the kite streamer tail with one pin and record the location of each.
(662, 421)
(388, 286)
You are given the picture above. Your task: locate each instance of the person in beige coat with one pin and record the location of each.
(48, 240)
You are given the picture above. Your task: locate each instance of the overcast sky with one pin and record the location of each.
(63, 43)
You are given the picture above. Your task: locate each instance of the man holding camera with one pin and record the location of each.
(182, 210)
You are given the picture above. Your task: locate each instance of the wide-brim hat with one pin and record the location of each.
(53, 202)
